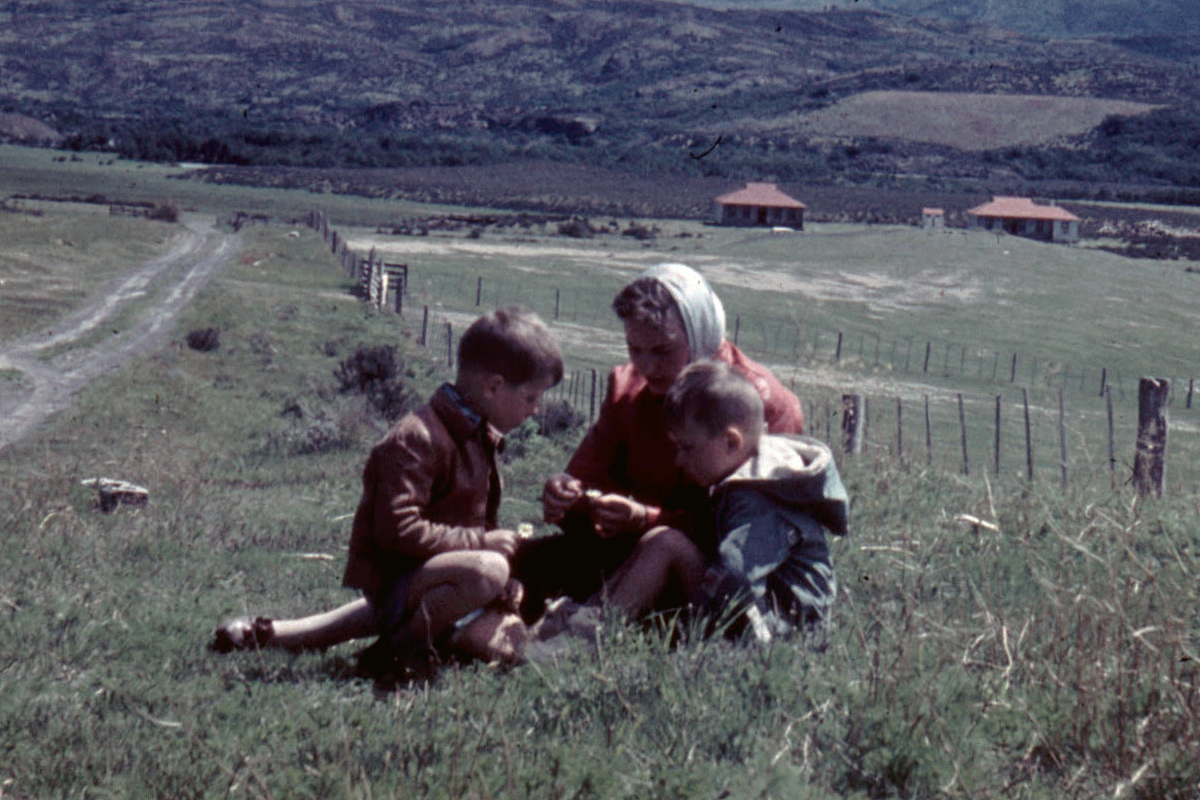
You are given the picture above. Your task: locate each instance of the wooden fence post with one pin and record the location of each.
(1062, 436)
(1028, 436)
(449, 345)
(425, 327)
(851, 416)
(962, 424)
(1112, 453)
(996, 464)
(1150, 460)
(900, 431)
(592, 405)
(928, 434)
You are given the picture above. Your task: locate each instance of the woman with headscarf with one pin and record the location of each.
(622, 480)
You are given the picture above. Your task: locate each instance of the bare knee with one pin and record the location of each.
(487, 575)
(664, 542)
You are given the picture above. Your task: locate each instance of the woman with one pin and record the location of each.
(622, 480)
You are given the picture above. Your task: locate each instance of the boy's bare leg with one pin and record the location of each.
(662, 553)
(350, 621)
(316, 631)
(449, 586)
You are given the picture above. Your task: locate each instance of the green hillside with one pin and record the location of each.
(646, 86)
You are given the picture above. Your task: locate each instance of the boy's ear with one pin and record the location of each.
(734, 438)
(492, 383)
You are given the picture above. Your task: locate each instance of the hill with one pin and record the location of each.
(653, 87)
(1128, 20)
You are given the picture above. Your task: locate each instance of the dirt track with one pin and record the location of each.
(46, 384)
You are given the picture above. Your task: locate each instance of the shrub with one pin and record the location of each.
(557, 417)
(204, 340)
(640, 232)
(377, 373)
(577, 228)
(164, 211)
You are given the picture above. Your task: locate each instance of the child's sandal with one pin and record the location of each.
(243, 633)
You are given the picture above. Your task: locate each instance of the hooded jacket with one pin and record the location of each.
(772, 515)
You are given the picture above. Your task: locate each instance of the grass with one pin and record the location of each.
(58, 257)
(1050, 652)
(1007, 318)
(37, 172)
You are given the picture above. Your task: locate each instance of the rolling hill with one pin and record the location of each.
(645, 86)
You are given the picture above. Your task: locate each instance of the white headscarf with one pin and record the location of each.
(701, 309)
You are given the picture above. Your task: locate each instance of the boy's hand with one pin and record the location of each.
(558, 495)
(510, 599)
(502, 541)
(614, 513)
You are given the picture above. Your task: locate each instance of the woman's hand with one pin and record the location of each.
(558, 495)
(614, 513)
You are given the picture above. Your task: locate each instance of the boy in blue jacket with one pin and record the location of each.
(774, 498)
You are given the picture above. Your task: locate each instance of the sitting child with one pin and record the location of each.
(425, 549)
(773, 499)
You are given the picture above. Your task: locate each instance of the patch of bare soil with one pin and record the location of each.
(46, 385)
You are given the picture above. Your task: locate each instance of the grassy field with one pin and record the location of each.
(37, 172)
(994, 639)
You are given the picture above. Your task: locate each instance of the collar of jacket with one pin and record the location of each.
(462, 421)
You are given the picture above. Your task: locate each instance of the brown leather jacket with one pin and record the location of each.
(429, 487)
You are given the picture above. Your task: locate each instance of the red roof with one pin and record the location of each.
(759, 194)
(1021, 208)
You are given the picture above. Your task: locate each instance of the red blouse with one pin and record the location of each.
(628, 451)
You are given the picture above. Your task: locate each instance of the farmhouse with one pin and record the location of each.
(1023, 217)
(759, 204)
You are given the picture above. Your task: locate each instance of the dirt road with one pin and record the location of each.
(57, 362)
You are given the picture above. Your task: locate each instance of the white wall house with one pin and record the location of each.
(759, 204)
(1021, 216)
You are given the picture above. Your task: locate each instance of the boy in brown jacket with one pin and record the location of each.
(425, 549)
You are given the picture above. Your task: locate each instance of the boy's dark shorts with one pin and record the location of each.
(389, 606)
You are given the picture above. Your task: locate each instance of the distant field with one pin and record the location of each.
(964, 120)
(42, 172)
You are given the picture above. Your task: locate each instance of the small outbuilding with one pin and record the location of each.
(759, 204)
(1021, 216)
(933, 217)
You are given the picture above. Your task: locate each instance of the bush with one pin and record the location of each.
(378, 374)
(164, 211)
(640, 232)
(557, 416)
(204, 340)
(577, 228)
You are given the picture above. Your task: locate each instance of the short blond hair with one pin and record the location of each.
(715, 396)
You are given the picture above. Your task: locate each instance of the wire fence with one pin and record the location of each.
(949, 405)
